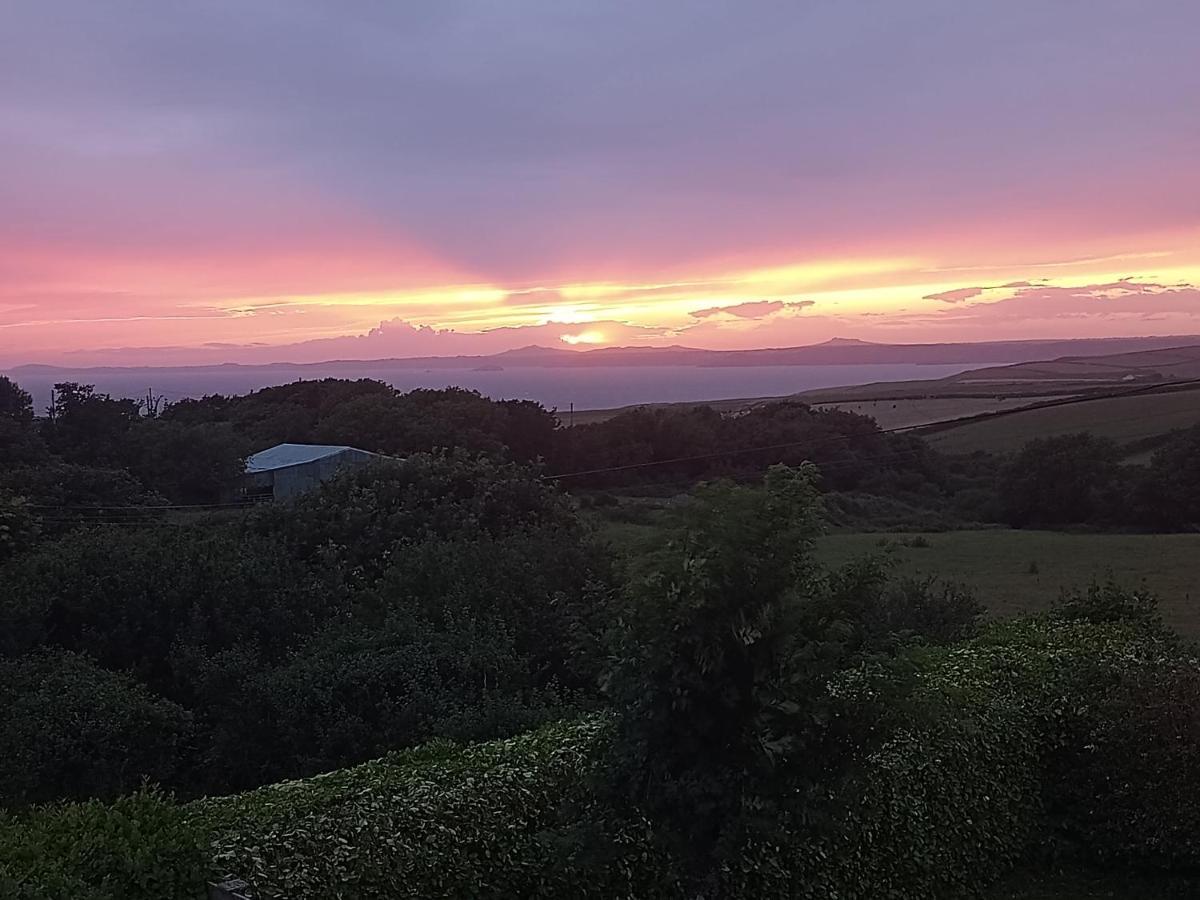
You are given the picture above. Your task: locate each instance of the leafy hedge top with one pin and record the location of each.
(946, 803)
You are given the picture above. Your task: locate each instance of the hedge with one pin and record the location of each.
(140, 846)
(439, 821)
(947, 804)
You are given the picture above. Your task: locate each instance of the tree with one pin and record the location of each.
(1170, 491)
(721, 677)
(20, 443)
(15, 404)
(90, 428)
(189, 463)
(1066, 480)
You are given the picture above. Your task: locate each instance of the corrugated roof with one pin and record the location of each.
(283, 455)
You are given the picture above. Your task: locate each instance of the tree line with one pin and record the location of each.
(93, 450)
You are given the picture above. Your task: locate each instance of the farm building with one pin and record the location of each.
(289, 469)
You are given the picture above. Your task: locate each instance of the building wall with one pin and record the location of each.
(305, 477)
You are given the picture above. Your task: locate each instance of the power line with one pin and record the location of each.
(145, 508)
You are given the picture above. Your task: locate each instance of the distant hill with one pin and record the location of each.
(1077, 366)
(835, 352)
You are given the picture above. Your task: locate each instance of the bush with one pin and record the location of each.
(943, 805)
(888, 612)
(1109, 603)
(1127, 781)
(441, 821)
(65, 496)
(434, 596)
(357, 692)
(69, 729)
(141, 847)
(156, 601)
(19, 528)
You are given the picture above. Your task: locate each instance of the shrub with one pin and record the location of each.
(1128, 776)
(155, 601)
(1109, 603)
(887, 612)
(19, 528)
(939, 808)
(69, 729)
(440, 821)
(356, 692)
(140, 847)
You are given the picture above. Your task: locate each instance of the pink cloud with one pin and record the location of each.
(752, 309)
(1125, 298)
(958, 295)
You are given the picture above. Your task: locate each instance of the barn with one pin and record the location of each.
(286, 470)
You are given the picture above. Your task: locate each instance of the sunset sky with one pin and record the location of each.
(298, 180)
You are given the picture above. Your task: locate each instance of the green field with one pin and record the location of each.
(1014, 572)
(1124, 419)
(916, 411)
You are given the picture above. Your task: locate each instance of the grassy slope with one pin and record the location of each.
(1124, 419)
(913, 412)
(998, 563)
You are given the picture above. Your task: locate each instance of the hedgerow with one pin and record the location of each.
(440, 821)
(943, 806)
(141, 847)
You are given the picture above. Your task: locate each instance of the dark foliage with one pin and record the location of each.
(849, 448)
(70, 729)
(1170, 493)
(722, 679)
(20, 442)
(1069, 480)
(157, 601)
(437, 595)
(373, 416)
(189, 464)
(89, 428)
(15, 404)
(359, 691)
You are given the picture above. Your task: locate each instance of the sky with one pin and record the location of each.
(312, 179)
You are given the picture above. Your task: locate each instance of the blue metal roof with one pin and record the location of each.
(283, 455)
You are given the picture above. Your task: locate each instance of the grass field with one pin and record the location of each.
(1124, 419)
(1012, 572)
(1015, 572)
(916, 411)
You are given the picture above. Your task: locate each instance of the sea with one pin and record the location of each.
(584, 388)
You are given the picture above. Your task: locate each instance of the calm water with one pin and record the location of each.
(587, 388)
